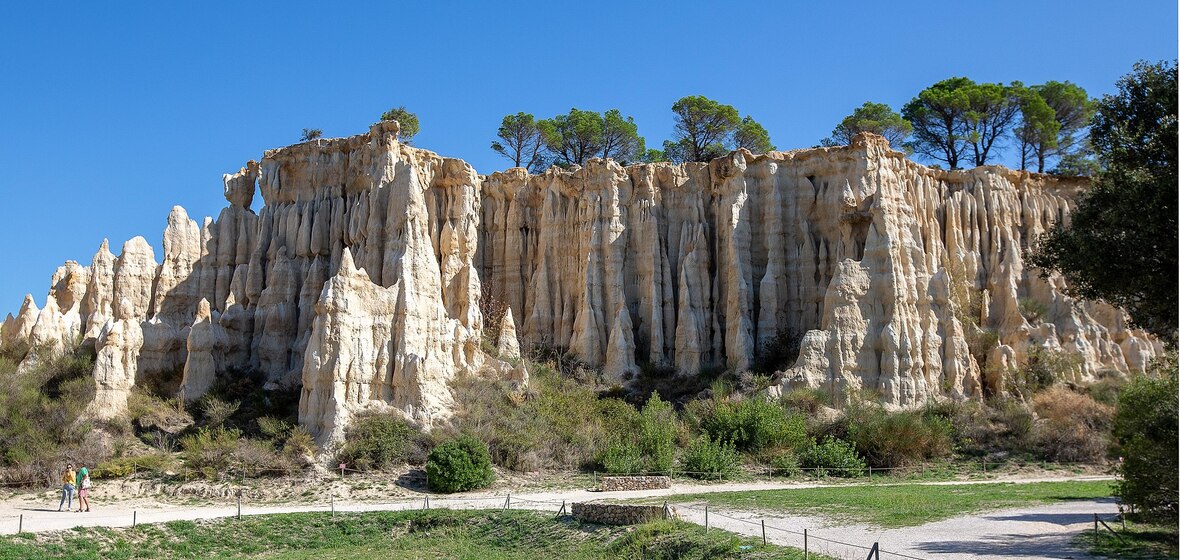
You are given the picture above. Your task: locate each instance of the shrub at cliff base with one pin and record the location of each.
(380, 441)
(833, 457)
(1072, 427)
(650, 447)
(40, 414)
(710, 458)
(557, 422)
(755, 424)
(459, 464)
(1145, 427)
(897, 439)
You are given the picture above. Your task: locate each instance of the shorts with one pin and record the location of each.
(83, 492)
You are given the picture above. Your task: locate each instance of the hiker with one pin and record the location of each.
(83, 488)
(68, 478)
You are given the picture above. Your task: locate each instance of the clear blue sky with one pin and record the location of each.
(111, 114)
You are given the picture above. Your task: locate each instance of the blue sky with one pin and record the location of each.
(113, 113)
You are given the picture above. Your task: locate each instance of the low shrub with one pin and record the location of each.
(897, 439)
(1146, 429)
(623, 457)
(657, 434)
(378, 442)
(1073, 427)
(1003, 426)
(1042, 369)
(459, 464)
(558, 422)
(806, 400)
(710, 458)
(157, 463)
(756, 424)
(785, 463)
(219, 453)
(835, 457)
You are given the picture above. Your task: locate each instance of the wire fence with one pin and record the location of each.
(804, 538)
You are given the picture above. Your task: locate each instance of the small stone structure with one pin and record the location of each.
(619, 514)
(622, 483)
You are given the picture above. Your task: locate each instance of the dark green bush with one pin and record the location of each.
(459, 464)
(1145, 427)
(834, 457)
(377, 442)
(755, 424)
(897, 439)
(710, 458)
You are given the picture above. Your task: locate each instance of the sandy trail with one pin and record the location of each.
(1026, 533)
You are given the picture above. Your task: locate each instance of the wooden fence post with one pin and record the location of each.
(763, 532)
(706, 518)
(804, 544)
(134, 516)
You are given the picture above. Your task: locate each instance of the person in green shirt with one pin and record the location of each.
(83, 488)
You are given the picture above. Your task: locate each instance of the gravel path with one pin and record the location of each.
(1034, 532)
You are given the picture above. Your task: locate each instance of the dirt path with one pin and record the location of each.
(1034, 532)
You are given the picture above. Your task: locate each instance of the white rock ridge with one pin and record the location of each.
(359, 281)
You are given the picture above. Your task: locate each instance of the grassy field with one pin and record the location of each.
(903, 504)
(1141, 541)
(492, 535)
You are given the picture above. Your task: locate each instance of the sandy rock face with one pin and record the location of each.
(359, 281)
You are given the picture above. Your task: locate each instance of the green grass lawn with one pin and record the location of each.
(902, 505)
(491, 535)
(1140, 541)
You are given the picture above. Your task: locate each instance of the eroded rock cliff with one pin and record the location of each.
(360, 279)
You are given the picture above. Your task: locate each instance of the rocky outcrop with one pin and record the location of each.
(360, 278)
(886, 270)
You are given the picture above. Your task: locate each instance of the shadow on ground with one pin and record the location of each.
(999, 546)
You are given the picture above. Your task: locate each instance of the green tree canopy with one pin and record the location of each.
(702, 126)
(520, 141)
(1121, 242)
(1072, 109)
(1037, 132)
(620, 138)
(752, 136)
(706, 129)
(1053, 117)
(407, 122)
(992, 109)
(877, 118)
(574, 138)
(939, 118)
(311, 134)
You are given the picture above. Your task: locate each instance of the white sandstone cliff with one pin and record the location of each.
(360, 278)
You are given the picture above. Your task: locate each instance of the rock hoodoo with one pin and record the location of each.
(360, 278)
